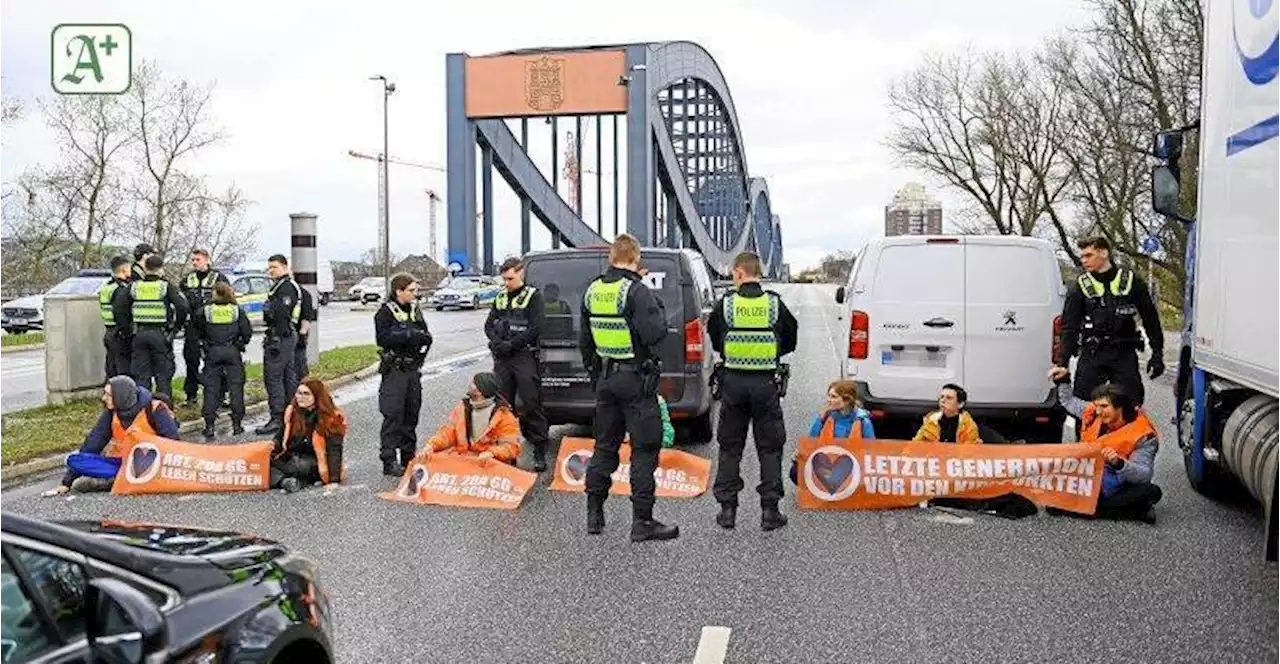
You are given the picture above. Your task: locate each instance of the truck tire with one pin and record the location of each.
(1249, 446)
(1215, 482)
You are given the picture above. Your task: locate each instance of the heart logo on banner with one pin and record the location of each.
(142, 459)
(415, 480)
(576, 465)
(832, 470)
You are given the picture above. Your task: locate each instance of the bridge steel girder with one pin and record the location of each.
(651, 157)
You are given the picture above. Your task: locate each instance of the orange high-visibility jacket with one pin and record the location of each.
(966, 431)
(501, 436)
(1123, 440)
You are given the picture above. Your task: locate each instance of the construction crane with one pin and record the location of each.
(433, 198)
(383, 193)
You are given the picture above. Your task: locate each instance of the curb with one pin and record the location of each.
(29, 470)
(22, 348)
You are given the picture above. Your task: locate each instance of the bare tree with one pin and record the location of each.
(973, 121)
(219, 225)
(172, 121)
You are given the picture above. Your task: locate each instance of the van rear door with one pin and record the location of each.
(667, 281)
(563, 279)
(916, 319)
(1014, 291)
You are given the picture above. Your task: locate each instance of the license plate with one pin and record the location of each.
(16, 321)
(561, 355)
(914, 358)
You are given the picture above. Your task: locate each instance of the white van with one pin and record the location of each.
(980, 311)
(324, 281)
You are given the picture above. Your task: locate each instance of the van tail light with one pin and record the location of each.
(1055, 346)
(859, 335)
(694, 351)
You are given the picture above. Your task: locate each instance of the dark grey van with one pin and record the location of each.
(680, 279)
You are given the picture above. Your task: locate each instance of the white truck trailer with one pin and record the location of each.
(1226, 382)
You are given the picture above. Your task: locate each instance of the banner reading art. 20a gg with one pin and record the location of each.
(845, 475)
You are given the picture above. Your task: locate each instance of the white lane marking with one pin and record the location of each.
(369, 386)
(713, 646)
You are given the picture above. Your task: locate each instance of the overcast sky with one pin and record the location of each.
(808, 78)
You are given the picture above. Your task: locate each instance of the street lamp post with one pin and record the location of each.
(385, 223)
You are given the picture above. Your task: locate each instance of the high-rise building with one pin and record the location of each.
(913, 212)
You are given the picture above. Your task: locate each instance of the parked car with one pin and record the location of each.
(251, 289)
(464, 291)
(25, 314)
(357, 293)
(983, 312)
(112, 591)
(681, 280)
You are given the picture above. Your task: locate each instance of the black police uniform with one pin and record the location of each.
(222, 331)
(749, 395)
(626, 402)
(513, 327)
(197, 287)
(1098, 321)
(401, 333)
(280, 313)
(157, 311)
(117, 338)
(308, 313)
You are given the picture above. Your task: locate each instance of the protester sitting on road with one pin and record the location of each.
(1129, 443)
(94, 467)
(843, 412)
(308, 449)
(482, 425)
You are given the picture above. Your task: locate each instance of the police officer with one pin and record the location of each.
(138, 271)
(198, 289)
(118, 338)
(622, 325)
(281, 313)
(402, 336)
(751, 328)
(222, 332)
(1098, 322)
(513, 327)
(308, 316)
(158, 311)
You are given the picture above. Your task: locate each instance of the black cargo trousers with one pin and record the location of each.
(519, 381)
(750, 398)
(152, 363)
(623, 407)
(1108, 363)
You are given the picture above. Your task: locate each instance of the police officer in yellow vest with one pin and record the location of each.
(158, 311)
(197, 287)
(513, 328)
(1098, 322)
(751, 328)
(221, 331)
(403, 341)
(621, 327)
(282, 314)
(118, 338)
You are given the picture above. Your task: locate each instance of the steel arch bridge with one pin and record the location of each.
(684, 169)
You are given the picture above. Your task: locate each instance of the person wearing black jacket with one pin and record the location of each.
(513, 327)
(221, 331)
(751, 329)
(197, 287)
(118, 336)
(308, 448)
(403, 339)
(157, 311)
(622, 326)
(1098, 322)
(307, 317)
(138, 271)
(281, 313)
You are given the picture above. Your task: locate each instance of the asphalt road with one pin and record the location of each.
(22, 373)
(453, 585)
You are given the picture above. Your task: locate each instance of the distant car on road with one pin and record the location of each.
(113, 591)
(369, 289)
(251, 289)
(25, 314)
(464, 291)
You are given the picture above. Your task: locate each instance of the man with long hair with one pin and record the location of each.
(308, 449)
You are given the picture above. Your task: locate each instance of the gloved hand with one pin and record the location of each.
(1155, 366)
(501, 348)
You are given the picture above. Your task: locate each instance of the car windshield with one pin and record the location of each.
(78, 286)
(371, 281)
(459, 283)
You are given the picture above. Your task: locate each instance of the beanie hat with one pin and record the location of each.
(486, 383)
(124, 393)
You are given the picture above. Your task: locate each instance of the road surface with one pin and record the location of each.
(23, 377)
(417, 583)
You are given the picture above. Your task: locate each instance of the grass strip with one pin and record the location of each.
(35, 432)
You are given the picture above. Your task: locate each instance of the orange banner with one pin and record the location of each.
(461, 481)
(880, 474)
(538, 84)
(161, 465)
(679, 474)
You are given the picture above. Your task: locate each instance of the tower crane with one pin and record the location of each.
(382, 193)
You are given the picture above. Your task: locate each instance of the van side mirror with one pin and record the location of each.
(123, 625)
(840, 295)
(1166, 191)
(1167, 146)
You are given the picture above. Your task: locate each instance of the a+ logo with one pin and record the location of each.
(88, 58)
